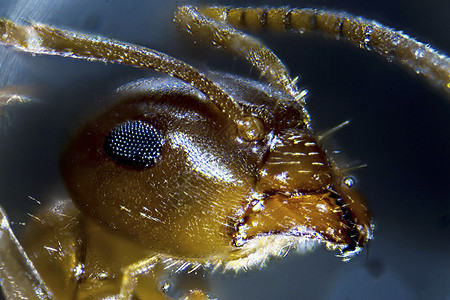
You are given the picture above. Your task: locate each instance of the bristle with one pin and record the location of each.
(333, 130)
(353, 166)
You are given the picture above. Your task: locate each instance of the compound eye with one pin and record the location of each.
(135, 144)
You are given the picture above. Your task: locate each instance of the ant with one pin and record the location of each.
(195, 170)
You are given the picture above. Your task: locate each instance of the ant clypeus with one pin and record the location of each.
(207, 170)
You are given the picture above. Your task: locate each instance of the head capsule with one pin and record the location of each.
(164, 168)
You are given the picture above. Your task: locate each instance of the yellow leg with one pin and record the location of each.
(19, 278)
(132, 273)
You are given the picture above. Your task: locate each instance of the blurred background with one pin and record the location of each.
(399, 128)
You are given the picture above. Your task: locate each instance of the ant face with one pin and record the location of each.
(393, 189)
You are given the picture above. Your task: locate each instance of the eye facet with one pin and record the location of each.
(135, 144)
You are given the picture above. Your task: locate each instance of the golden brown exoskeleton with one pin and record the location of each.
(194, 170)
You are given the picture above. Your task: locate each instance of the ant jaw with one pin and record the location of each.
(314, 216)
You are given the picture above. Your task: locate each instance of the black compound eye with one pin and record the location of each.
(135, 144)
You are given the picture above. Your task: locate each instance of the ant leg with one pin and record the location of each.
(132, 273)
(143, 267)
(366, 34)
(19, 278)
